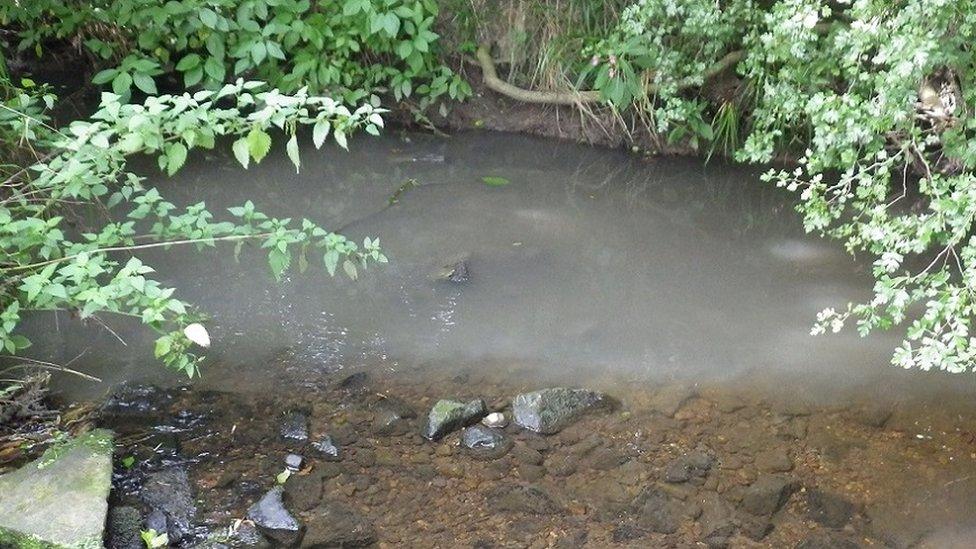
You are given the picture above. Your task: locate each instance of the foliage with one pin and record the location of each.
(875, 100)
(347, 48)
(45, 265)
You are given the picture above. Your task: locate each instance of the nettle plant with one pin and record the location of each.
(875, 100)
(42, 268)
(346, 48)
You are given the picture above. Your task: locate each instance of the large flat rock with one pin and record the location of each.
(59, 500)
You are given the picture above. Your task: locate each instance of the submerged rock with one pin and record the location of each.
(525, 499)
(829, 509)
(449, 415)
(59, 499)
(167, 492)
(327, 448)
(768, 494)
(337, 525)
(659, 511)
(133, 407)
(269, 514)
(550, 410)
(295, 427)
(391, 416)
(123, 527)
(456, 271)
(691, 466)
(486, 443)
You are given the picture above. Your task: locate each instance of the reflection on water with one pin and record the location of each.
(590, 265)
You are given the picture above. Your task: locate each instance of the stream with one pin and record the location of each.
(683, 291)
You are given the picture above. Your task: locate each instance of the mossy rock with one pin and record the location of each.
(60, 499)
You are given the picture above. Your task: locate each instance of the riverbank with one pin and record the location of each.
(668, 466)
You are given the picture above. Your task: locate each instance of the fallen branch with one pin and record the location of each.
(576, 97)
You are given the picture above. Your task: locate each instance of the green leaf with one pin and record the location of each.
(495, 181)
(193, 77)
(279, 261)
(258, 143)
(350, 269)
(121, 83)
(319, 132)
(331, 261)
(20, 342)
(163, 346)
(208, 17)
(145, 83)
(215, 69)
(188, 62)
(175, 157)
(242, 151)
(105, 76)
(292, 149)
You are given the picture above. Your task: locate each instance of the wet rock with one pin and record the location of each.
(391, 417)
(304, 492)
(293, 462)
(531, 473)
(365, 457)
(776, 460)
(550, 410)
(168, 491)
(449, 415)
(123, 528)
(524, 454)
(717, 521)
(659, 511)
(525, 499)
(874, 415)
(625, 532)
(486, 443)
(755, 528)
(768, 494)
(134, 407)
(604, 459)
(456, 271)
(495, 420)
(327, 448)
(294, 427)
(826, 541)
(60, 498)
(691, 466)
(829, 509)
(247, 535)
(562, 465)
(354, 381)
(337, 525)
(898, 526)
(669, 400)
(269, 514)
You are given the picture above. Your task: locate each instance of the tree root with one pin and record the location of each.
(578, 97)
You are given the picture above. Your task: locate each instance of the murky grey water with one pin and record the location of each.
(589, 267)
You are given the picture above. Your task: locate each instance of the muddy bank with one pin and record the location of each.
(672, 466)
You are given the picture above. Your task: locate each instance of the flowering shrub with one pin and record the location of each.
(875, 99)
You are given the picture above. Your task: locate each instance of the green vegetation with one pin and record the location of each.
(873, 99)
(870, 100)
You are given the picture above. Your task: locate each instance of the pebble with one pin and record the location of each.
(495, 420)
(294, 462)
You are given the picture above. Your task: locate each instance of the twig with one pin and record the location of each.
(35, 363)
